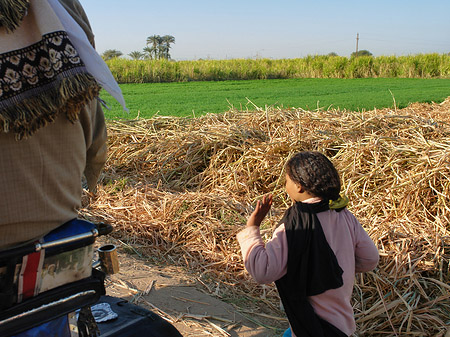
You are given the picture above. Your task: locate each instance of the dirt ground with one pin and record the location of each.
(184, 300)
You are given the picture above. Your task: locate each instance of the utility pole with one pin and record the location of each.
(357, 40)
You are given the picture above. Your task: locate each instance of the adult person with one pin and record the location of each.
(52, 127)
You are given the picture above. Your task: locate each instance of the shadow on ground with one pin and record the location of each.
(179, 298)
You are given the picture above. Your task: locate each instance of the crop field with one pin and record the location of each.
(153, 71)
(198, 98)
(179, 189)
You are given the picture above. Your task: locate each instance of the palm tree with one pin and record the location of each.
(136, 55)
(148, 53)
(160, 46)
(166, 41)
(155, 41)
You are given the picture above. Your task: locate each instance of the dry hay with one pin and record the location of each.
(181, 188)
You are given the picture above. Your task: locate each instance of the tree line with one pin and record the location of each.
(157, 48)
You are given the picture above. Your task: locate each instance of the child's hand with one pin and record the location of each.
(261, 210)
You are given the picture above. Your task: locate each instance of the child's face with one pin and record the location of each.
(292, 189)
(296, 192)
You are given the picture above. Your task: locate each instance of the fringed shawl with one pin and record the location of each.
(41, 72)
(12, 13)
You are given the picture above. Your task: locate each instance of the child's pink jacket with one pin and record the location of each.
(354, 250)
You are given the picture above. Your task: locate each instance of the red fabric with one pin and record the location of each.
(30, 275)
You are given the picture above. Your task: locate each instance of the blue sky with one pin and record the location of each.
(272, 29)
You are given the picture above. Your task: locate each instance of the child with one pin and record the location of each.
(315, 251)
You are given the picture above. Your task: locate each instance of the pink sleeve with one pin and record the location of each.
(265, 262)
(366, 253)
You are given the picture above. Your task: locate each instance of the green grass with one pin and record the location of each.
(197, 98)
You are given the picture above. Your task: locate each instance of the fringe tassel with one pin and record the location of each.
(35, 112)
(12, 13)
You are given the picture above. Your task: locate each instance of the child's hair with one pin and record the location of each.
(315, 173)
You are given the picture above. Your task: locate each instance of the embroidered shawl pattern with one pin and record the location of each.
(40, 81)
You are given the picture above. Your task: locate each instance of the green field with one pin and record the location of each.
(198, 98)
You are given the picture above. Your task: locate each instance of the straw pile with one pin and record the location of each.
(181, 188)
